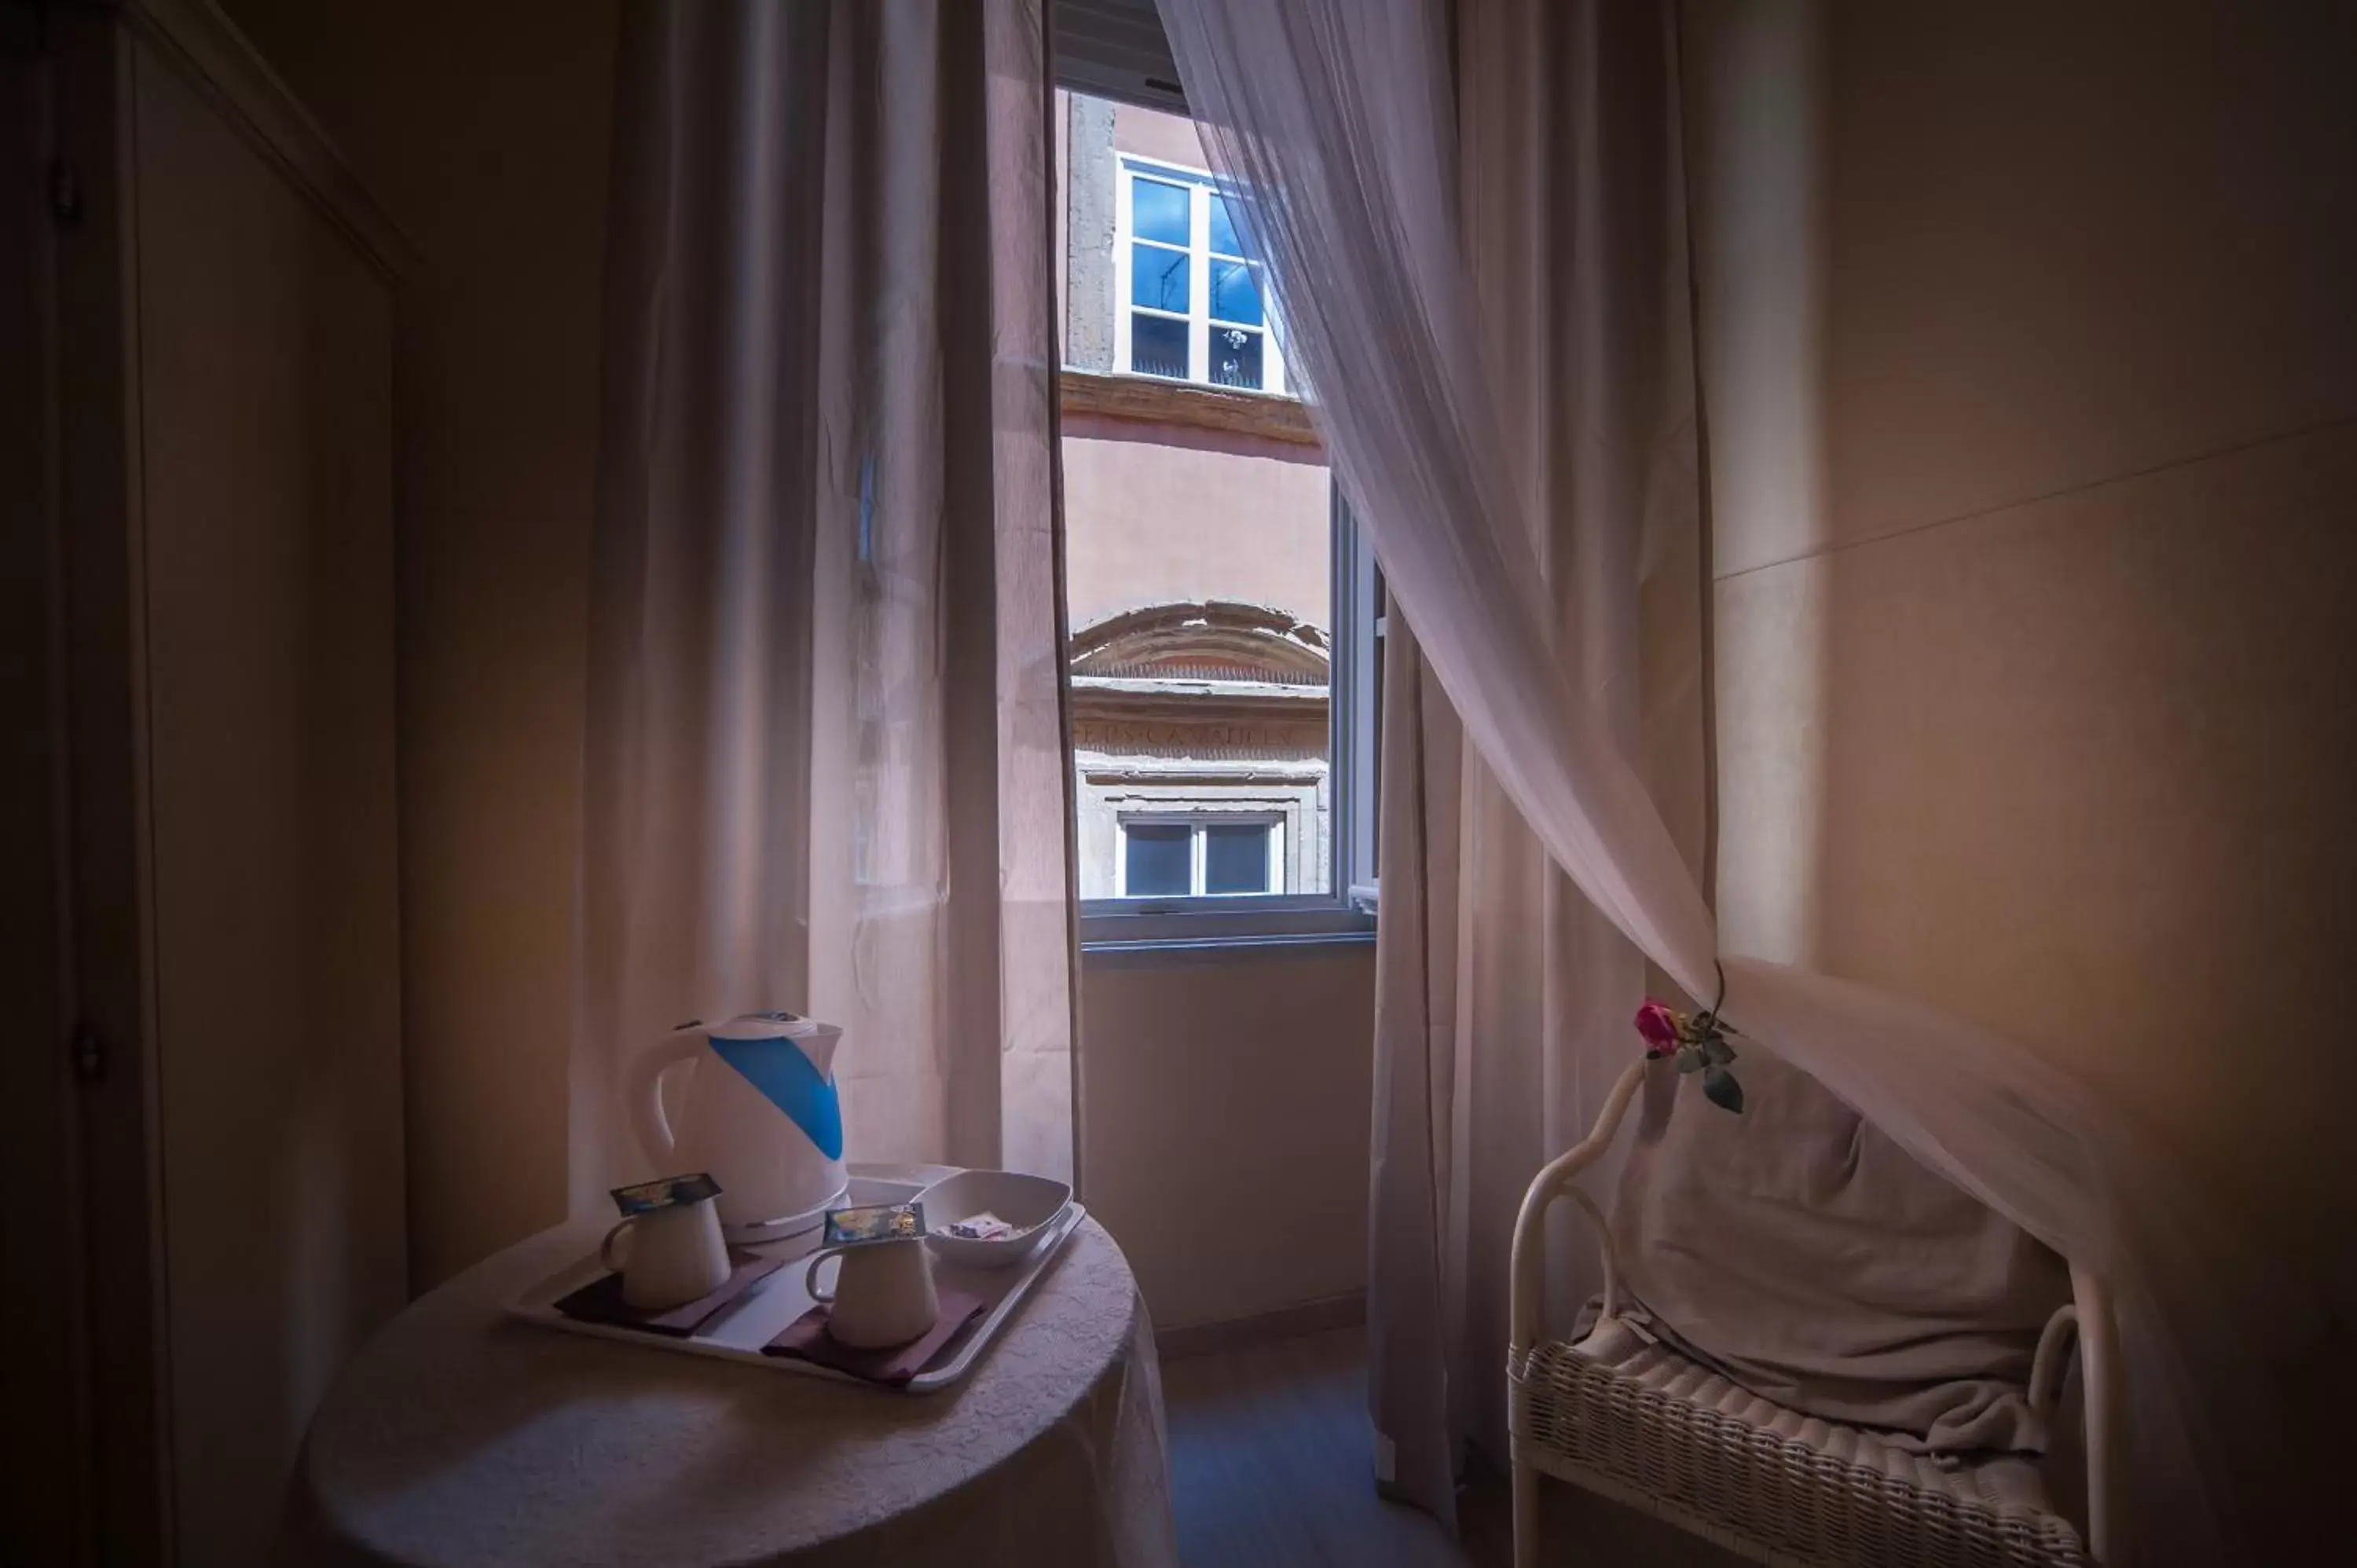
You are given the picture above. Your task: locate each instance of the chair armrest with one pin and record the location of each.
(2085, 1322)
(1530, 1226)
(2053, 1362)
(2099, 1383)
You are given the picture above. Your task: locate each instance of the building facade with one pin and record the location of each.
(1199, 526)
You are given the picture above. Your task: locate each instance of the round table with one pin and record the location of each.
(459, 1436)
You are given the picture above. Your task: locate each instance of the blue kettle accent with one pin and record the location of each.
(790, 1081)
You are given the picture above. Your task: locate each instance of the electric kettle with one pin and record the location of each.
(759, 1113)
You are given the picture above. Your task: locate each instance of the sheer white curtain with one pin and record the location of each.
(825, 756)
(1336, 122)
(1504, 997)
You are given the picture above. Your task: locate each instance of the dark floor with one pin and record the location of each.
(1269, 1469)
(1269, 1447)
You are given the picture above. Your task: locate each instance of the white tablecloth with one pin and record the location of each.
(461, 1437)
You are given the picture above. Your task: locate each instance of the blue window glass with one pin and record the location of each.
(1158, 211)
(1158, 279)
(1235, 293)
(1235, 858)
(1158, 346)
(1156, 860)
(1234, 357)
(1226, 239)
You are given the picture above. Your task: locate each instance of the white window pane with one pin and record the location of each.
(1157, 859)
(1158, 211)
(1234, 357)
(1157, 347)
(1158, 278)
(1235, 858)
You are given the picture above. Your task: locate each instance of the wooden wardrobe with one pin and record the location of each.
(200, 1092)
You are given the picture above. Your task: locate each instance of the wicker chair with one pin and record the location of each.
(1631, 1419)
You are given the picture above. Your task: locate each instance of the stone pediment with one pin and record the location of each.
(1212, 640)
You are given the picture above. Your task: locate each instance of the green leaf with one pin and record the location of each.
(1724, 1091)
(1690, 1059)
(1715, 1051)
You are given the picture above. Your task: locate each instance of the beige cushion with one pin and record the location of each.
(1800, 1251)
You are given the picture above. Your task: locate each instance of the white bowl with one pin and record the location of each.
(1027, 1202)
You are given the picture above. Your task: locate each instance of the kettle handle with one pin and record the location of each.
(646, 1090)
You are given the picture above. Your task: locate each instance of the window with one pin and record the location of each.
(1223, 754)
(1204, 856)
(1191, 300)
(1221, 610)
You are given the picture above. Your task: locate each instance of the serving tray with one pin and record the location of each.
(738, 1330)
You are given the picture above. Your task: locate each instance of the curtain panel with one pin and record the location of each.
(1504, 997)
(1335, 125)
(826, 764)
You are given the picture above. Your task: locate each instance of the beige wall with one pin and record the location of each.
(483, 131)
(2031, 359)
(1226, 1104)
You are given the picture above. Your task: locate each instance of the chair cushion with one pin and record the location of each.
(1641, 1422)
(1800, 1251)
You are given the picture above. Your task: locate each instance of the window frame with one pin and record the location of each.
(1221, 920)
(1198, 320)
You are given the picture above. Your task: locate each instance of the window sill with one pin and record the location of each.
(1109, 932)
(1149, 952)
(1153, 399)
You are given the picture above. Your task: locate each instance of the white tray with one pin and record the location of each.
(738, 1330)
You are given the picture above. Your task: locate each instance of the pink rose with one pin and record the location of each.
(1659, 1027)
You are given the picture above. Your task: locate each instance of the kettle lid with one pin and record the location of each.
(772, 1025)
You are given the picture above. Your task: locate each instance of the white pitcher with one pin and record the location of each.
(760, 1113)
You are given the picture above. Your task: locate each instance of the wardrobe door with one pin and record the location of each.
(263, 388)
(46, 1478)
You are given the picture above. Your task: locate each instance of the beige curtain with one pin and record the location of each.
(825, 755)
(1505, 1000)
